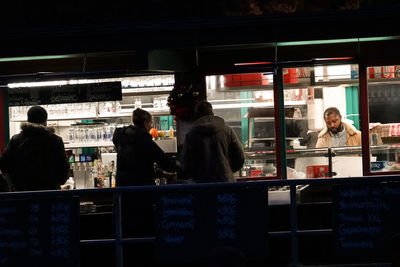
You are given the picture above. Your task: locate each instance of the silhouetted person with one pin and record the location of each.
(211, 151)
(35, 158)
(136, 155)
(137, 152)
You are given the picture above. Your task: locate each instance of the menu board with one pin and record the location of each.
(367, 218)
(70, 93)
(194, 222)
(39, 232)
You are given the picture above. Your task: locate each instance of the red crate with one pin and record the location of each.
(317, 171)
(248, 79)
(290, 76)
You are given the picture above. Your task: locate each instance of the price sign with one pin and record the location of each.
(39, 232)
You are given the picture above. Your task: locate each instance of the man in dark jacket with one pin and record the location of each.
(136, 155)
(211, 151)
(35, 158)
(137, 152)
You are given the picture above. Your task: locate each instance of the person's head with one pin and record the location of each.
(38, 115)
(202, 108)
(333, 120)
(141, 118)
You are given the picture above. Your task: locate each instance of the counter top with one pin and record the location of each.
(265, 153)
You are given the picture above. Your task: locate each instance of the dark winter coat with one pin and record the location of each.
(35, 159)
(211, 151)
(136, 155)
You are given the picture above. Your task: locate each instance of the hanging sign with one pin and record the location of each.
(70, 93)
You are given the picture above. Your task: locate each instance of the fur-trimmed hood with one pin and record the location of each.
(35, 159)
(350, 129)
(30, 127)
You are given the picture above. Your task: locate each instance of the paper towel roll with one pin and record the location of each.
(315, 112)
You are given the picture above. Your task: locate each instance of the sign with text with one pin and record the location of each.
(71, 93)
(367, 219)
(39, 232)
(194, 222)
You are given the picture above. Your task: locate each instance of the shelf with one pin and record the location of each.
(257, 105)
(307, 82)
(136, 92)
(167, 145)
(270, 154)
(128, 113)
(269, 119)
(153, 112)
(83, 117)
(94, 144)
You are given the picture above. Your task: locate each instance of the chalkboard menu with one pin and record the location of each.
(367, 217)
(194, 222)
(71, 93)
(39, 232)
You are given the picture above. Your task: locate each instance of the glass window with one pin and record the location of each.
(384, 117)
(322, 144)
(246, 103)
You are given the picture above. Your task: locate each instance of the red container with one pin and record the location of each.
(384, 72)
(387, 72)
(255, 173)
(248, 79)
(371, 71)
(317, 171)
(290, 76)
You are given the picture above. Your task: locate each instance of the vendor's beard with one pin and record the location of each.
(336, 130)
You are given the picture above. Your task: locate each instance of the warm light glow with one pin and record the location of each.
(253, 63)
(164, 81)
(333, 72)
(334, 58)
(37, 84)
(212, 82)
(56, 83)
(339, 72)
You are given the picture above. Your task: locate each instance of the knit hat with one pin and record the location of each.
(37, 114)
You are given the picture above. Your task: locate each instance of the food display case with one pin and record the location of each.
(247, 103)
(87, 127)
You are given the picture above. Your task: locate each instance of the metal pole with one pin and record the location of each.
(364, 119)
(293, 225)
(280, 126)
(330, 162)
(118, 231)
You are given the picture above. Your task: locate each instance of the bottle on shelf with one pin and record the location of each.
(71, 133)
(171, 132)
(76, 154)
(138, 103)
(71, 156)
(111, 173)
(113, 180)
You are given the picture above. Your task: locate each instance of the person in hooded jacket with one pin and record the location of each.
(211, 151)
(137, 152)
(35, 158)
